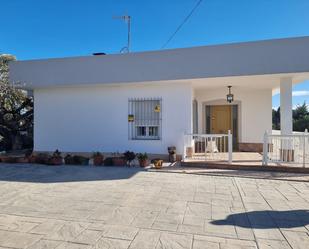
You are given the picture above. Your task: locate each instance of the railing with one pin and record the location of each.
(286, 149)
(208, 147)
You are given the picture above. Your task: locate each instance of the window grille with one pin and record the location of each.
(145, 118)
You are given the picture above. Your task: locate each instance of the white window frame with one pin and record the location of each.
(147, 136)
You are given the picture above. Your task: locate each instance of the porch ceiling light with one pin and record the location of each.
(230, 96)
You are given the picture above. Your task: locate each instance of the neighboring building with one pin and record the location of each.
(147, 101)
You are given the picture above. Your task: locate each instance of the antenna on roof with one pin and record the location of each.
(127, 19)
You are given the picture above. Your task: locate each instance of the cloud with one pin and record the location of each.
(300, 93)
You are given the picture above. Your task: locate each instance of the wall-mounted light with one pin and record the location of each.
(229, 96)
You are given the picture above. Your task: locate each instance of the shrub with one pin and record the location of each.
(129, 156)
(108, 161)
(98, 158)
(142, 156)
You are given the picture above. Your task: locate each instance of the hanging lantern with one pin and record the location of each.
(229, 96)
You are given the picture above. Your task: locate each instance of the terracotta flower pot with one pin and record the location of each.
(8, 159)
(98, 160)
(22, 160)
(119, 161)
(55, 161)
(32, 159)
(143, 163)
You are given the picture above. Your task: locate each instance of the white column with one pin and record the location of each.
(286, 120)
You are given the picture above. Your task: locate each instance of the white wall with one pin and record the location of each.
(255, 110)
(86, 119)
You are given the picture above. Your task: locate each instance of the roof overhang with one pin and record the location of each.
(280, 56)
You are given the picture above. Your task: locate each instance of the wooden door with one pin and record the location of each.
(220, 119)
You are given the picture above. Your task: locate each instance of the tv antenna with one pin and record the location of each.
(127, 19)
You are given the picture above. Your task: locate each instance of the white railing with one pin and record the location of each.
(208, 147)
(286, 149)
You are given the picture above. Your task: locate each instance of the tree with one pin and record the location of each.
(300, 118)
(16, 112)
(276, 119)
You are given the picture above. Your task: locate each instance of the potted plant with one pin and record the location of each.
(157, 163)
(119, 160)
(80, 160)
(98, 159)
(171, 154)
(129, 156)
(41, 158)
(68, 159)
(22, 159)
(8, 159)
(108, 161)
(142, 159)
(55, 159)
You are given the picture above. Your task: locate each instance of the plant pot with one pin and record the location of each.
(41, 158)
(84, 161)
(171, 150)
(119, 161)
(98, 160)
(78, 160)
(108, 161)
(172, 158)
(32, 159)
(158, 163)
(68, 160)
(55, 161)
(143, 163)
(22, 160)
(8, 159)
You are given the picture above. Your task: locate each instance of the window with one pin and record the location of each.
(144, 117)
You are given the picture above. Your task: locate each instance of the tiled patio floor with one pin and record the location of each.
(112, 207)
(243, 158)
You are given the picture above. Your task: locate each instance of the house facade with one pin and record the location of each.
(147, 101)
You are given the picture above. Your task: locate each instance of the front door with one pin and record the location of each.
(220, 119)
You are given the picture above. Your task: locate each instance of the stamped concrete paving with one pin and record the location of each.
(86, 207)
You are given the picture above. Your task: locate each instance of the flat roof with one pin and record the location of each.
(277, 56)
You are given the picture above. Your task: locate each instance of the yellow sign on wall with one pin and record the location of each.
(157, 108)
(131, 118)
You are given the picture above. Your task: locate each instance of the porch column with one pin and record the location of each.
(286, 120)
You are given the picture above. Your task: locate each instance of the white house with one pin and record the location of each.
(147, 101)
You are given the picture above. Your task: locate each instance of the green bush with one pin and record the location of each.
(108, 161)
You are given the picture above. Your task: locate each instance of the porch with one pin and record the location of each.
(288, 153)
(238, 132)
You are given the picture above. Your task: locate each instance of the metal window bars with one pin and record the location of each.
(145, 118)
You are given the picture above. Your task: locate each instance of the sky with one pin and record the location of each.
(32, 29)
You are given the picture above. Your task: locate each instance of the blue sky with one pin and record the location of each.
(58, 28)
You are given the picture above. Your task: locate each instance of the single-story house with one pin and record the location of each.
(147, 101)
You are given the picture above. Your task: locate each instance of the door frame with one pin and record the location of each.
(223, 102)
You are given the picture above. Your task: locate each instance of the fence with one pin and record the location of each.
(286, 149)
(208, 147)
